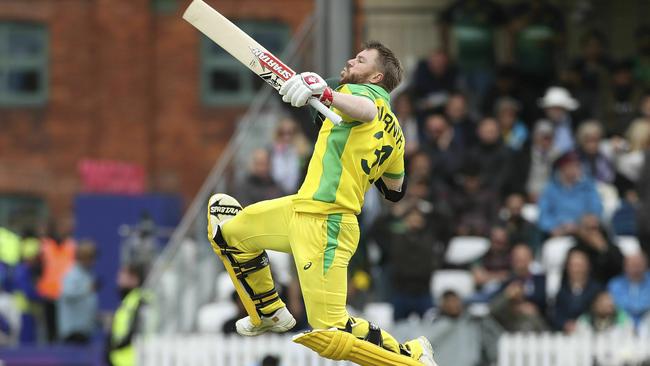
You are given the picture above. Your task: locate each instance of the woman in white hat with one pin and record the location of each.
(557, 103)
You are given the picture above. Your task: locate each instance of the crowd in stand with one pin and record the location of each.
(488, 143)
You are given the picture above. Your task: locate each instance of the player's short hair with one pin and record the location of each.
(389, 65)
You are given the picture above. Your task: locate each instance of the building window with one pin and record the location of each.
(23, 63)
(224, 80)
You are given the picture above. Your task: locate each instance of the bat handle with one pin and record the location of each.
(335, 118)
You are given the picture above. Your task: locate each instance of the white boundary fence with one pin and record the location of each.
(219, 350)
(551, 349)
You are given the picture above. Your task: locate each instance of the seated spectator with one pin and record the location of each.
(604, 256)
(259, 184)
(532, 169)
(444, 148)
(25, 294)
(518, 228)
(594, 163)
(521, 305)
(631, 290)
(434, 78)
(78, 303)
(619, 99)
(457, 113)
(473, 206)
(643, 187)
(494, 267)
(491, 155)
(557, 103)
(624, 219)
(568, 196)
(507, 85)
(513, 130)
(576, 293)
(604, 317)
(454, 329)
(403, 108)
(288, 156)
(628, 154)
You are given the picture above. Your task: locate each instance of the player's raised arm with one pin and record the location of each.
(301, 87)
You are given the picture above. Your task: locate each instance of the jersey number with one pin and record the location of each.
(380, 155)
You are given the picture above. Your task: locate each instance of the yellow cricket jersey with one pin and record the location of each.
(348, 158)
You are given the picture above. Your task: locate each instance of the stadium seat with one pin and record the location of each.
(554, 251)
(211, 317)
(530, 212)
(629, 245)
(609, 198)
(460, 281)
(466, 249)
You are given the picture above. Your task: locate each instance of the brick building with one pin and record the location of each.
(123, 80)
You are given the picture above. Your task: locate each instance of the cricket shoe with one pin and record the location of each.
(221, 208)
(280, 322)
(427, 352)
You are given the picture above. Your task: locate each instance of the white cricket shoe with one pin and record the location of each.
(427, 352)
(280, 322)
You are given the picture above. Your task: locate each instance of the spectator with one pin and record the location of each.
(513, 131)
(411, 223)
(642, 59)
(434, 78)
(507, 85)
(631, 290)
(567, 197)
(473, 207)
(604, 317)
(403, 108)
(594, 163)
(141, 245)
(288, 156)
(491, 155)
(444, 147)
(457, 113)
(128, 316)
(624, 219)
(270, 360)
(537, 33)
(258, 185)
(454, 329)
(620, 99)
(643, 187)
(419, 166)
(494, 267)
(519, 230)
(9, 247)
(605, 257)
(520, 306)
(77, 306)
(471, 26)
(591, 69)
(58, 253)
(557, 103)
(629, 152)
(534, 165)
(9, 315)
(576, 293)
(26, 296)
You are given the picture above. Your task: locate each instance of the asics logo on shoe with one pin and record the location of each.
(307, 266)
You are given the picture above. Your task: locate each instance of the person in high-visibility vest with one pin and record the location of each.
(9, 247)
(26, 297)
(127, 317)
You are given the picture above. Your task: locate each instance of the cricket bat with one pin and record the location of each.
(245, 49)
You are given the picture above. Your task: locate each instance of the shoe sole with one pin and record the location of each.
(273, 328)
(427, 351)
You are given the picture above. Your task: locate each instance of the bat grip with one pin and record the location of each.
(335, 118)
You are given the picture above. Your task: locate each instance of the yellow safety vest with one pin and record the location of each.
(9, 247)
(122, 321)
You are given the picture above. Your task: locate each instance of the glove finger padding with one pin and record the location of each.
(300, 96)
(289, 83)
(291, 92)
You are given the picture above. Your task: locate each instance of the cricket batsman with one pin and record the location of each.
(318, 225)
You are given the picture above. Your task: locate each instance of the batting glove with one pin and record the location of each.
(301, 87)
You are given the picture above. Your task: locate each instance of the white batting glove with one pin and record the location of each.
(301, 87)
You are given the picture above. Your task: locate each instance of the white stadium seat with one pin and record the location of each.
(629, 245)
(460, 281)
(554, 252)
(466, 249)
(530, 212)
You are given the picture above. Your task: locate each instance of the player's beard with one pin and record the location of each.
(350, 78)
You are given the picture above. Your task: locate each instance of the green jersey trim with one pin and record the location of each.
(332, 166)
(393, 175)
(333, 229)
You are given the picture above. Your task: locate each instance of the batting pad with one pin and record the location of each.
(339, 345)
(246, 300)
